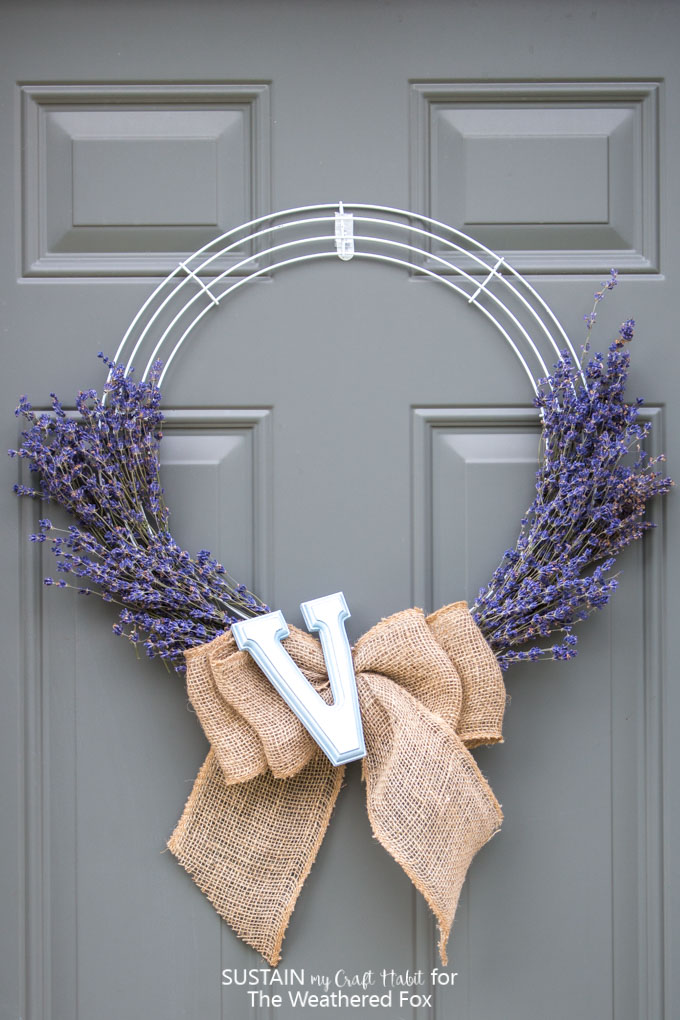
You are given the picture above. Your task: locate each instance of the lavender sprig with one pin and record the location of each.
(102, 466)
(590, 504)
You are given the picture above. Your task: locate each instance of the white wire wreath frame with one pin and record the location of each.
(346, 230)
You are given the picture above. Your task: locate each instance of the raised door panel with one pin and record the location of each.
(574, 864)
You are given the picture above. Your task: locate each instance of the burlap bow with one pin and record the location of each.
(428, 690)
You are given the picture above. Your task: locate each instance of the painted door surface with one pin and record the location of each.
(340, 426)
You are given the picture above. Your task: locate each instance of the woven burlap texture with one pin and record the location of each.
(428, 688)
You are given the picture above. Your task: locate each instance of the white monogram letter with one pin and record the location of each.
(336, 728)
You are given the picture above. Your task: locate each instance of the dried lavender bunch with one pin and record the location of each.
(590, 503)
(102, 466)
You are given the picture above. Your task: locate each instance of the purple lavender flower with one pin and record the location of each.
(102, 467)
(590, 503)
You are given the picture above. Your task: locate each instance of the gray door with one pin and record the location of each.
(341, 426)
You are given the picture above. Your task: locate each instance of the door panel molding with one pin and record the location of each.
(451, 447)
(125, 180)
(232, 448)
(557, 176)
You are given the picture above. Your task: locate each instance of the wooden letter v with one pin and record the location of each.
(336, 728)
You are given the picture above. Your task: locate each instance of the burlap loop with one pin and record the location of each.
(262, 802)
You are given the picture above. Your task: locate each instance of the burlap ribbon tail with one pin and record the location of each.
(429, 689)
